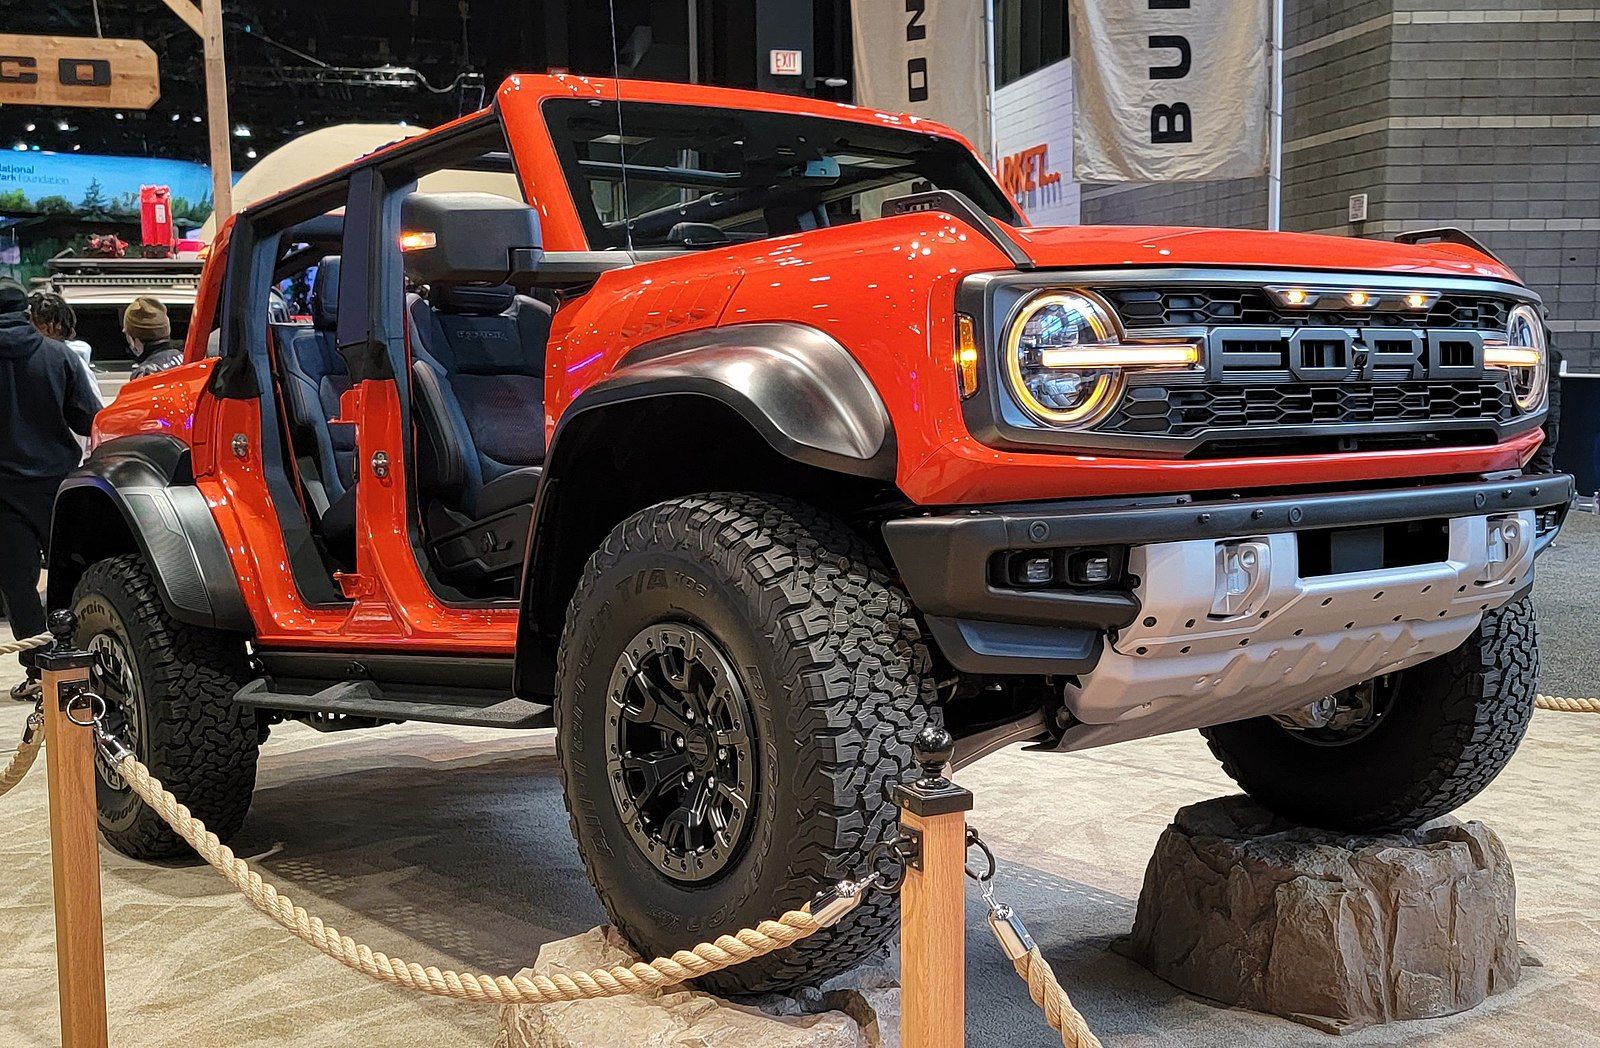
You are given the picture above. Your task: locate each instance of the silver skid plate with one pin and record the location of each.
(1229, 630)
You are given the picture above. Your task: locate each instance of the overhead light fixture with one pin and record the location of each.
(250, 153)
(241, 132)
(61, 125)
(29, 126)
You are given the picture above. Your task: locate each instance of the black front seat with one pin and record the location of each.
(315, 376)
(477, 381)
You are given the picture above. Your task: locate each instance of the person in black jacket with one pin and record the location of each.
(47, 400)
(149, 333)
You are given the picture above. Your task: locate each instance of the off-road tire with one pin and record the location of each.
(193, 738)
(837, 673)
(1453, 725)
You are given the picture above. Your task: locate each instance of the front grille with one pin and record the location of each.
(1145, 307)
(1190, 411)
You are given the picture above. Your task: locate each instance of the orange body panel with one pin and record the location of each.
(884, 289)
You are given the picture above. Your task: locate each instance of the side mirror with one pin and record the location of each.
(468, 238)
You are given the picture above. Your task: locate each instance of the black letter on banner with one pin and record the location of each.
(1169, 5)
(917, 79)
(915, 30)
(84, 72)
(1172, 72)
(1170, 124)
(11, 69)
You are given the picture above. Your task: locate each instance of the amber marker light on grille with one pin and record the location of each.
(966, 355)
(417, 241)
(1417, 300)
(1296, 296)
(1358, 299)
(1118, 355)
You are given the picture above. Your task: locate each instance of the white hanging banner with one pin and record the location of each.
(1170, 90)
(924, 57)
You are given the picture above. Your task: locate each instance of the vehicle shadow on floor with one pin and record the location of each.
(469, 857)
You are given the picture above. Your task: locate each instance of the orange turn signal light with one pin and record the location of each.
(418, 241)
(966, 355)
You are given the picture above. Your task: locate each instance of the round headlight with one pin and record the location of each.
(1051, 349)
(1524, 331)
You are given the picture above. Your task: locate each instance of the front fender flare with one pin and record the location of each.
(798, 387)
(146, 481)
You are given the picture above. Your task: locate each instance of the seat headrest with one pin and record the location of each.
(472, 300)
(325, 294)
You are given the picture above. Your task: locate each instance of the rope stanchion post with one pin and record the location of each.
(74, 838)
(933, 827)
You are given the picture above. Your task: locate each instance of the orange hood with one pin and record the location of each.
(1104, 246)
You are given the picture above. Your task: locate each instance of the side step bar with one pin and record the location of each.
(365, 698)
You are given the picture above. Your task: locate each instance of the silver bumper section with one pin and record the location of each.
(1229, 630)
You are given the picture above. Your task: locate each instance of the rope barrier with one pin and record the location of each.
(724, 952)
(26, 752)
(16, 647)
(1562, 704)
(1050, 998)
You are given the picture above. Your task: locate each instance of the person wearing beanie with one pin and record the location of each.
(47, 400)
(149, 334)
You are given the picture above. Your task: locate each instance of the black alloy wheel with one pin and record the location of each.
(680, 758)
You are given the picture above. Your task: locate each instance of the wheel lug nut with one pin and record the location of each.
(688, 714)
(711, 780)
(689, 777)
(722, 753)
(677, 741)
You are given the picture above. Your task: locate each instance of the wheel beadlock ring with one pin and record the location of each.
(680, 757)
(113, 678)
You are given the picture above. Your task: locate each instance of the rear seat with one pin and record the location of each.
(315, 376)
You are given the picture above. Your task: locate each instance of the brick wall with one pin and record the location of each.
(1482, 114)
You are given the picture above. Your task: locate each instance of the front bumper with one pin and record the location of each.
(1150, 648)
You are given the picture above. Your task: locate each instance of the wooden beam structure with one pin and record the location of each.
(205, 19)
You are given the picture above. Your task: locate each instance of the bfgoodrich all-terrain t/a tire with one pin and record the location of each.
(169, 689)
(1449, 728)
(756, 642)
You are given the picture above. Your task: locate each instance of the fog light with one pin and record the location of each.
(1092, 568)
(1038, 571)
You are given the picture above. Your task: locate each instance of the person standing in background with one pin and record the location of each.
(47, 401)
(149, 333)
(55, 318)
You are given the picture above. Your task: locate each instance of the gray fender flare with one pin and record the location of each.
(147, 482)
(798, 387)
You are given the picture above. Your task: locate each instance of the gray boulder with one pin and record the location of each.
(1334, 930)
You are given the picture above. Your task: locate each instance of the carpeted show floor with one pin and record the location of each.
(451, 847)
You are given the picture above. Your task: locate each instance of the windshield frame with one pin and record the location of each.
(556, 111)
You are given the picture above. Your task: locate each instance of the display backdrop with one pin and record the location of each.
(925, 57)
(1170, 90)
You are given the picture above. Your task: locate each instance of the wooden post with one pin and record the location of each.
(217, 124)
(206, 21)
(933, 1002)
(74, 846)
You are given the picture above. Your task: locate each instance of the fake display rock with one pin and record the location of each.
(1334, 930)
(858, 1010)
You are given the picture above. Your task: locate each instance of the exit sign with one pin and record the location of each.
(786, 63)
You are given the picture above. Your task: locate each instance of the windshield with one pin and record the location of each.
(698, 177)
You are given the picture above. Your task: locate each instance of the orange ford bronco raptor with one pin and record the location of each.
(738, 436)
